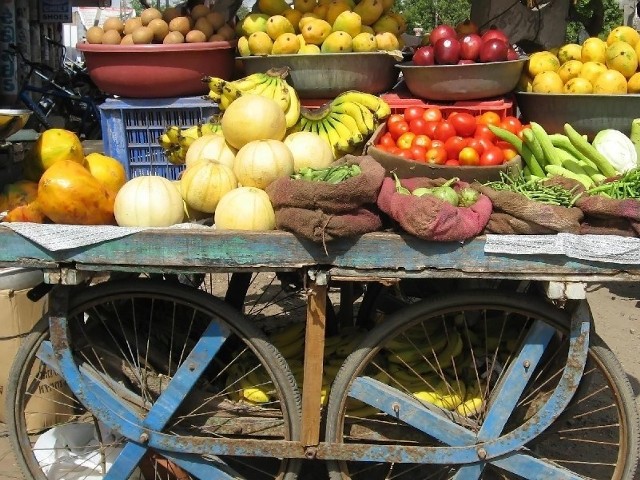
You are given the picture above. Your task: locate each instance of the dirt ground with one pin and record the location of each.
(615, 306)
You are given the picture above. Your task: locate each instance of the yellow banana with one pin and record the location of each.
(369, 117)
(471, 408)
(347, 129)
(354, 111)
(270, 89)
(411, 354)
(213, 96)
(281, 94)
(453, 349)
(255, 395)
(215, 84)
(373, 103)
(452, 393)
(262, 87)
(288, 334)
(165, 141)
(175, 156)
(173, 132)
(292, 113)
(210, 128)
(249, 83)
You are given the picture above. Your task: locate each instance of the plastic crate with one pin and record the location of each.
(131, 128)
(400, 98)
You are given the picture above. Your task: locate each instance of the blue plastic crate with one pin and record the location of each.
(131, 127)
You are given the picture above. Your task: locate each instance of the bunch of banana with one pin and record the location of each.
(446, 394)
(271, 84)
(473, 404)
(346, 122)
(175, 141)
(289, 340)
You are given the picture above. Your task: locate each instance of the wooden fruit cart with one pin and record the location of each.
(154, 361)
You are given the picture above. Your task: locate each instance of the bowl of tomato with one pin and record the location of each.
(426, 142)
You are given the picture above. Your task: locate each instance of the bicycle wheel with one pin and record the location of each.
(131, 339)
(450, 355)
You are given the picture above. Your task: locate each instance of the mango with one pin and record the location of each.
(260, 43)
(334, 9)
(254, 22)
(337, 42)
(578, 85)
(304, 6)
(278, 25)
(624, 33)
(69, 194)
(610, 82)
(287, 43)
(369, 10)
(364, 42)
(54, 145)
(622, 57)
(349, 22)
(593, 50)
(547, 82)
(387, 41)
(315, 31)
(30, 212)
(107, 170)
(272, 7)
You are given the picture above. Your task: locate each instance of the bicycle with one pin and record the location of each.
(62, 93)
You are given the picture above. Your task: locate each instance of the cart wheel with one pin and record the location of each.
(129, 340)
(451, 355)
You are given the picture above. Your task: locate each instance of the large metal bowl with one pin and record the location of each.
(327, 75)
(12, 120)
(472, 81)
(587, 113)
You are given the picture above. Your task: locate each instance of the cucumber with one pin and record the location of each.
(588, 150)
(548, 149)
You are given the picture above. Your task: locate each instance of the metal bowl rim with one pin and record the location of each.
(411, 66)
(316, 55)
(579, 95)
(15, 111)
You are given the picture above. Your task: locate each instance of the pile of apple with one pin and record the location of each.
(462, 44)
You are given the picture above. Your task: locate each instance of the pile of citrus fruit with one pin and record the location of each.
(597, 66)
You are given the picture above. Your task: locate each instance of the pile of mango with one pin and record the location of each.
(597, 66)
(320, 26)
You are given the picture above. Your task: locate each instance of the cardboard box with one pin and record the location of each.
(50, 398)
(405, 168)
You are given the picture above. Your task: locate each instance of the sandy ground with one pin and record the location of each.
(617, 314)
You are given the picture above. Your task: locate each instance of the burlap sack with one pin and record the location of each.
(535, 217)
(430, 218)
(342, 197)
(321, 227)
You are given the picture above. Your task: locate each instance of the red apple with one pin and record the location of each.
(470, 46)
(495, 32)
(466, 27)
(512, 54)
(424, 56)
(447, 51)
(493, 50)
(441, 31)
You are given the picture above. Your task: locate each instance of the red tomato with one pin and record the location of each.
(489, 118)
(398, 128)
(405, 154)
(418, 153)
(464, 123)
(430, 129)
(436, 155)
(468, 156)
(512, 124)
(437, 143)
(432, 114)
(477, 144)
(482, 131)
(396, 117)
(452, 162)
(394, 150)
(521, 132)
(418, 126)
(443, 131)
(422, 141)
(386, 140)
(509, 154)
(411, 113)
(453, 145)
(492, 156)
(405, 140)
(502, 144)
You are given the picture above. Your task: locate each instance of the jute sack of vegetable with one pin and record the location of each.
(435, 209)
(540, 211)
(321, 227)
(317, 194)
(613, 208)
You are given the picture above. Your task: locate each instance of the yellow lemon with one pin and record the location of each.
(591, 70)
(593, 50)
(525, 83)
(610, 82)
(633, 84)
(547, 82)
(570, 69)
(623, 33)
(542, 62)
(578, 85)
(622, 57)
(570, 51)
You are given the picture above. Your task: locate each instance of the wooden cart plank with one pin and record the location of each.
(385, 253)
